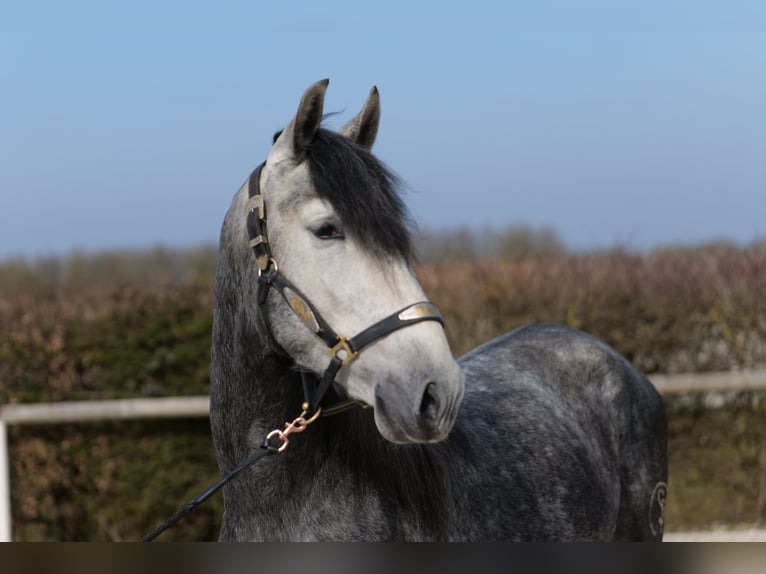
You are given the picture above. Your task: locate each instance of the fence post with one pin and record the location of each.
(5, 486)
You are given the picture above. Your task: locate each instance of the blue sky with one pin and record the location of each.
(131, 124)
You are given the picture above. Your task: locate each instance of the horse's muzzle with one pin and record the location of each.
(418, 413)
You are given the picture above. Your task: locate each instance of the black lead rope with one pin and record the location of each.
(260, 452)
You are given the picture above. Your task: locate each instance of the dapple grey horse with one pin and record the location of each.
(544, 433)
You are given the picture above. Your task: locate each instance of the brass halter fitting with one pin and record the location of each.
(270, 262)
(343, 351)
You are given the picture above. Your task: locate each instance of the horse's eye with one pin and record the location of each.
(328, 231)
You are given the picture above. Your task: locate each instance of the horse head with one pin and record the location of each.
(338, 231)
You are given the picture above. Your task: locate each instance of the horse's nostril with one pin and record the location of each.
(429, 404)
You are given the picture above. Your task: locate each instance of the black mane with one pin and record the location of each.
(363, 192)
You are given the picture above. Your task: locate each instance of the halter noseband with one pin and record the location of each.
(342, 349)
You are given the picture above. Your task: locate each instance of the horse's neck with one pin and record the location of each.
(253, 385)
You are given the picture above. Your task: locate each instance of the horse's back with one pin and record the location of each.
(578, 434)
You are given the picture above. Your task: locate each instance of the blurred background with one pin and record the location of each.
(592, 164)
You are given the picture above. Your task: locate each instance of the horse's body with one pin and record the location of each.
(557, 436)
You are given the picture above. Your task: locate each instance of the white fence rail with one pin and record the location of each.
(123, 409)
(199, 406)
(710, 382)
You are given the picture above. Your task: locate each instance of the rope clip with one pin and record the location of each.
(299, 424)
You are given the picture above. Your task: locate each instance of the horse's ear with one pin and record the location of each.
(301, 130)
(363, 128)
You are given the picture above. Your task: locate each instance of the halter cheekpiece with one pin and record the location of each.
(342, 349)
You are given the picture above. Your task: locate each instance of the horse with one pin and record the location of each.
(544, 433)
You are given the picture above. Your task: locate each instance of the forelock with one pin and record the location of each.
(363, 192)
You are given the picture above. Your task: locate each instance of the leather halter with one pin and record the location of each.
(342, 349)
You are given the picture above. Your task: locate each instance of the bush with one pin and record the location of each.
(126, 325)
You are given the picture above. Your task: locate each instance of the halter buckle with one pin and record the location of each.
(255, 204)
(343, 351)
